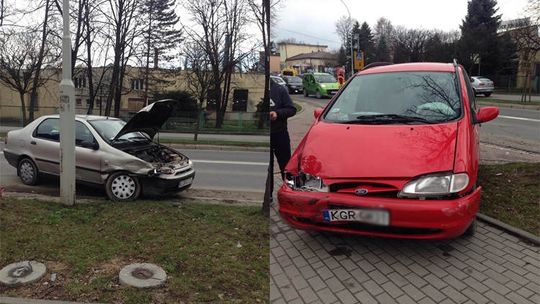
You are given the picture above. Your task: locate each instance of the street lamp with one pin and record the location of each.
(352, 54)
(67, 118)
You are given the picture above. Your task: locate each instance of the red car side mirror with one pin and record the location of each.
(317, 112)
(486, 114)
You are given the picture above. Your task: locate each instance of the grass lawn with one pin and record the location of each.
(215, 142)
(87, 245)
(511, 194)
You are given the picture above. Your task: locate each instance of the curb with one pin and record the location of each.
(11, 300)
(510, 229)
(509, 105)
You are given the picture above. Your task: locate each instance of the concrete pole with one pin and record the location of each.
(352, 52)
(67, 118)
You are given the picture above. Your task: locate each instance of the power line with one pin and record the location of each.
(307, 35)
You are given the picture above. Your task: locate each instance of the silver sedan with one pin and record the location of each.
(121, 156)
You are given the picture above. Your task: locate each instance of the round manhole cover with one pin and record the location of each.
(22, 273)
(142, 275)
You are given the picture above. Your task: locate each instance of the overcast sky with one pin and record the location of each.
(313, 21)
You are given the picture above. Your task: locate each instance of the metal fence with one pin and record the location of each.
(182, 122)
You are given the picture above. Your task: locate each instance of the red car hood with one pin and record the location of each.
(378, 151)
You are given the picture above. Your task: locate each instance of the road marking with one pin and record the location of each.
(519, 118)
(228, 162)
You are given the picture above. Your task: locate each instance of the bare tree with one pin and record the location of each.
(124, 24)
(18, 63)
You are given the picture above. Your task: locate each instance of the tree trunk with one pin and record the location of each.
(89, 72)
(23, 108)
(148, 46)
(35, 82)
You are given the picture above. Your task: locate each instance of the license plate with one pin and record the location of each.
(376, 217)
(185, 182)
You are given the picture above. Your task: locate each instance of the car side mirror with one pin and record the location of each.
(90, 145)
(317, 112)
(471, 79)
(486, 114)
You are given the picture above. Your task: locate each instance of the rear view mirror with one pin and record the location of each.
(317, 112)
(486, 114)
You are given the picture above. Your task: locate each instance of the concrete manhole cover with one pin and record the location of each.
(22, 273)
(142, 275)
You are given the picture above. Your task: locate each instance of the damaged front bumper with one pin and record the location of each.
(156, 184)
(409, 218)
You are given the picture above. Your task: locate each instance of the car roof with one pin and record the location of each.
(82, 117)
(410, 67)
(322, 74)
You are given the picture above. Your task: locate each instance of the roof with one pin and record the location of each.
(410, 67)
(314, 55)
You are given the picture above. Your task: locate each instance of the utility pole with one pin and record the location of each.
(67, 118)
(351, 39)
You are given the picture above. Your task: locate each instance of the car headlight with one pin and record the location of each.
(305, 182)
(323, 85)
(433, 185)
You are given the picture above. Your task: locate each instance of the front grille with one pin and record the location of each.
(374, 189)
(374, 228)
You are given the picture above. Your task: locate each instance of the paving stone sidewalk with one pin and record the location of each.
(491, 267)
(310, 267)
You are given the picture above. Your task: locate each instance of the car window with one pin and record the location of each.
(325, 78)
(430, 96)
(108, 128)
(48, 129)
(82, 134)
(294, 79)
(470, 93)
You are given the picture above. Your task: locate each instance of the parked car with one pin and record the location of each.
(110, 152)
(394, 154)
(279, 80)
(320, 84)
(294, 84)
(482, 85)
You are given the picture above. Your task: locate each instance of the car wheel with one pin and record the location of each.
(305, 93)
(487, 94)
(121, 187)
(27, 171)
(471, 230)
(319, 96)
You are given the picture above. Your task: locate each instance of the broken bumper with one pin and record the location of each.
(168, 184)
(409, 218)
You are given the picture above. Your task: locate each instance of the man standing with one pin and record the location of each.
(281, 108)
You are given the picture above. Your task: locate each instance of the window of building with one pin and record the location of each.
(79, 82)
(78, 102)
(137, 84)
(240, 100)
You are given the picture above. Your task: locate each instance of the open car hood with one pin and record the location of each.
(149, 119)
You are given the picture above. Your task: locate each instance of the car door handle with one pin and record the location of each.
(33, 142)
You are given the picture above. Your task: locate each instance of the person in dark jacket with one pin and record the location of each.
(281, 108)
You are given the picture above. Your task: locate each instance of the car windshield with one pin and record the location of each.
(400, 97)
(108, 128)
(325, 78)
(294, 79)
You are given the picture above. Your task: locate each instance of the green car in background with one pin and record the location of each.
(320, 84)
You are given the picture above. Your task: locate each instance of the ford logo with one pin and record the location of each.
(361, 191)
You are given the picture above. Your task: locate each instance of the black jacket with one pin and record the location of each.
(281, 103)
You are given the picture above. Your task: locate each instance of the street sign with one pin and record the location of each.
(359, 60)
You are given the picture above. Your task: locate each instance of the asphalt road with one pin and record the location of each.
(516, 128)
(243, 171)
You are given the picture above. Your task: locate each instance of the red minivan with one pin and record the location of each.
(394, 154)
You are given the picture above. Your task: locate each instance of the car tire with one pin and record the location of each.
(122, 187)
(305, 93)
(28, 171)
(487, 94)
(471, 230)
(319, 95)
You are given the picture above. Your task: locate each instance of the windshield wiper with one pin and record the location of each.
(388, 118)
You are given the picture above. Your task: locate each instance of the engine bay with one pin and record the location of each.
(158, 155)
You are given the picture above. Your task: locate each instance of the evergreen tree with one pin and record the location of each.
(382, 52)
(365, 41)
(161, 34)
(479, 37)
